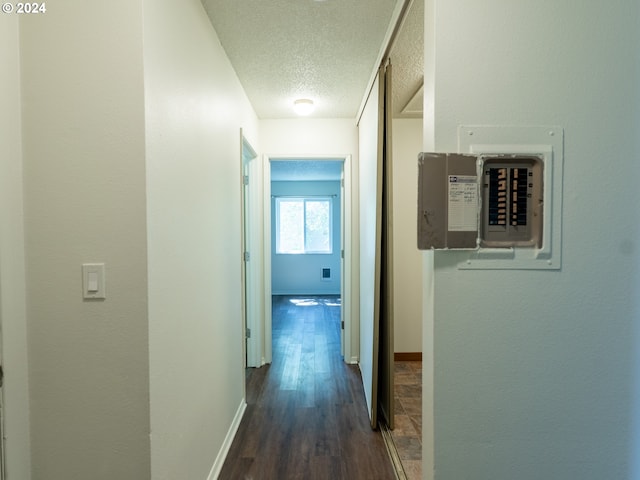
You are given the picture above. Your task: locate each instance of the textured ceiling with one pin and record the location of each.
(407, 60)
(287, 49)
(299, 170)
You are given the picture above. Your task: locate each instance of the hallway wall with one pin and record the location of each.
(13, 326)
(84, 176)
(195, 107)
(536, 372)
(131, 148)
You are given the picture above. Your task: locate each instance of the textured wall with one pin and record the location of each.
(12, 268)
(195, 108)
(84, 173)
(536, 371)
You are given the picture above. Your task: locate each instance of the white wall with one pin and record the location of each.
(329, 138)
(195, 108)
(147, 383)
(407, 264)
(309, 137)
(12, 258)
(293, 274)
(536, 372)
(83, 140)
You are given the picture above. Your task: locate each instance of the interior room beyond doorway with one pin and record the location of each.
(307, 234)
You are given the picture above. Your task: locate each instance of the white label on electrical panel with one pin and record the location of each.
(463, 203)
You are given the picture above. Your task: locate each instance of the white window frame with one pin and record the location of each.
(304, 199)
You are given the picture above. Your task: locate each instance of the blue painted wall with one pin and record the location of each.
(302, 274)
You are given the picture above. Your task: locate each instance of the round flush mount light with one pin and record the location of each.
(303, 106)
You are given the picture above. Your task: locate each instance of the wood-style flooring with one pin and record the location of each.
(306, 416)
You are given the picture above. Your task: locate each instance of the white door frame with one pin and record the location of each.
(250, 242)
(346, 284)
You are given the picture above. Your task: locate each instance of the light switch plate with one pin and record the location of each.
(93, 281)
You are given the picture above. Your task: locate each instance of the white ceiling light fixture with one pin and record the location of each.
(303, 106)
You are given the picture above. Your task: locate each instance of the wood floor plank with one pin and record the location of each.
(291, 369)
(322, 353)
(306, 416)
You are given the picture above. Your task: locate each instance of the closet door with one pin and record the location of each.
(385, 291)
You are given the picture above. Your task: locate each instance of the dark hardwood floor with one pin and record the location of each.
(306, 416)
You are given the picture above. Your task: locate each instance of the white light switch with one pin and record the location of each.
(93, 284)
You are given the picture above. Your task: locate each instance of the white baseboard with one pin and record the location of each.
(353, 361)
(226, 445)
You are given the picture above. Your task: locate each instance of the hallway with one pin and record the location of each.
(306, 417)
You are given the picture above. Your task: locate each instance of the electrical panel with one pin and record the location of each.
(469, 201)
(511, 204)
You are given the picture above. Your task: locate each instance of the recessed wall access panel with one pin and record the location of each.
(447, 201)
(499, 197)
(524, 166)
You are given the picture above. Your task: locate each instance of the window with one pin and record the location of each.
(303, 225)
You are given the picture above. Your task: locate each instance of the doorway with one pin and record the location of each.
(251, 233)
(320, 271)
